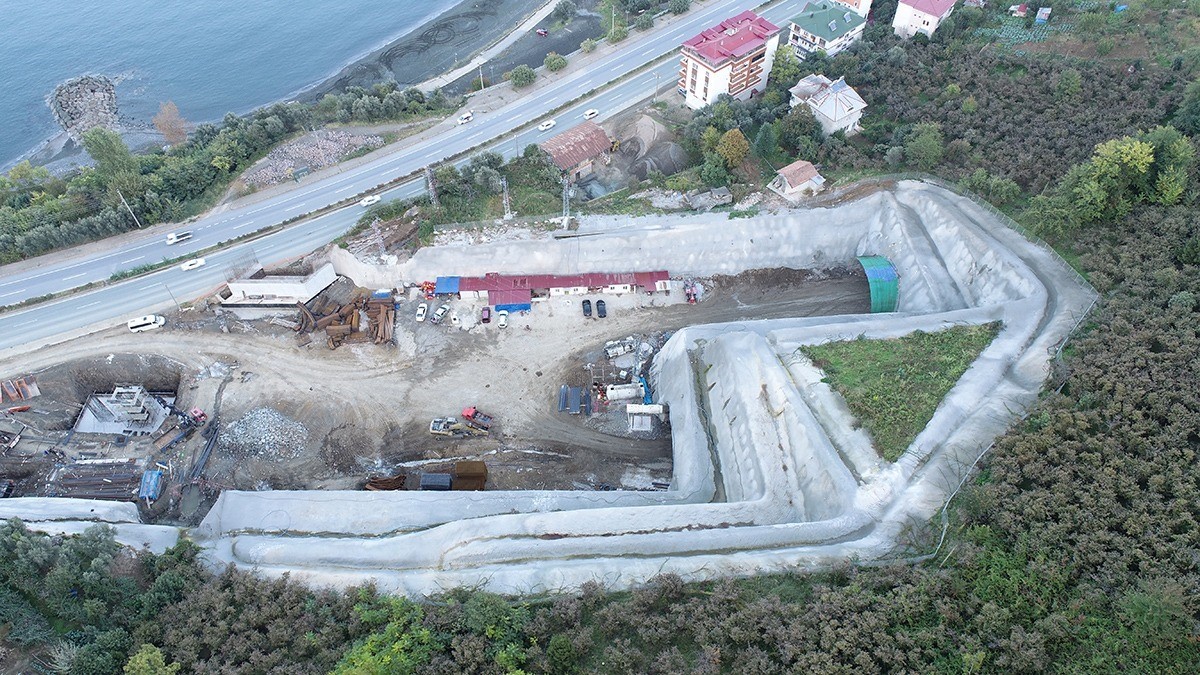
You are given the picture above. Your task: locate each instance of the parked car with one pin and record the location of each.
(590, 113)
(587, 307)
(466, 117)
(485, 315)
(440, 314)
(145, 323)
(547, 125)
(502, 318)
(542, 32)
(192, 264)
(367, 201)
(601, 309)
(422, 310)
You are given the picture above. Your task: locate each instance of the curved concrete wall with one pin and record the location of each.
(769, 472)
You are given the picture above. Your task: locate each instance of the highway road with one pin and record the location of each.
(520, 118)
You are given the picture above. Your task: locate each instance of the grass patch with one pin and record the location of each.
(894, 386)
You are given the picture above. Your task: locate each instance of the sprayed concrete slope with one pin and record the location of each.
(770, 471)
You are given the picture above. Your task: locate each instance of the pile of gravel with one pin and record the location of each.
(316, 150)
(265, 432)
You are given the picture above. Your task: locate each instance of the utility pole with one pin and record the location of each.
(135, 218)
(177, 305)
(431, 186)
(654, 98)
(566, 201)
(481, 76)
(612, 26)
(508, 214)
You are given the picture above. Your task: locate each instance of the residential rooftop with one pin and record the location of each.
(732, 38)
(828, 20)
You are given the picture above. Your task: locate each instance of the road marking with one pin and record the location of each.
(151, 286)
(348, 187)
(74, 276)
(126, 262)
(13, 293)
(25, 323)
(293, 208)
(90, 304)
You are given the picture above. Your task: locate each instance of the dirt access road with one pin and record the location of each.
(366, 408)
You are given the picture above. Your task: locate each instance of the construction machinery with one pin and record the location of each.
(477, 418)
(450, 426)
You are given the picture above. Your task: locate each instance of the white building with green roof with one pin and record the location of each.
(825, 26)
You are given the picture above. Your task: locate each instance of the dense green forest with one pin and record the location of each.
(1076, 549)
(40, 212)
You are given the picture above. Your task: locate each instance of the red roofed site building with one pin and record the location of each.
(920, 16)
(733, 57)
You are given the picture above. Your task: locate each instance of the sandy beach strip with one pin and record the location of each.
(434, 48)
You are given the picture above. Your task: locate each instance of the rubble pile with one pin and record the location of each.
(344, 323)
(84, 103)
(314, 151)
(265, 431)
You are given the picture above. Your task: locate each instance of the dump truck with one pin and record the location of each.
(477, 418)
(450, 426)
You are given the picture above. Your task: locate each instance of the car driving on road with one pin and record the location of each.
(192, 264)
(590, 113)
(367, 201)
(176, 237)
(465, 117)
(547, 125)
(422, 310)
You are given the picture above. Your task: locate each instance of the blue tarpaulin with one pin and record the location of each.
(446, 286)
(151, 485)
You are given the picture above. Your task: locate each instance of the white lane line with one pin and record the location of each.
(348, 187)
(294, 208)
(151, 286)
(13, 293)
(126, 262)
(76, 276)
(24, 323)
(90, 304)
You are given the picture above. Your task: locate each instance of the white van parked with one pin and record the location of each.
(148, 322)
(176, 237)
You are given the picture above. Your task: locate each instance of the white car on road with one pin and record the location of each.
(547, 125)
(422, 310)
(465, 117)
(590, 113)
(367, 201)
(192, 264)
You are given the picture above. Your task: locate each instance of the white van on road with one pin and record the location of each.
(145, 323)
(176, 237)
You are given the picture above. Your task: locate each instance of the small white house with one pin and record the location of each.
(859, 7)
(920, 16)
(835, 104)
(796, 180)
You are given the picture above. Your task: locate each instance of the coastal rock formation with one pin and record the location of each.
(84, 103)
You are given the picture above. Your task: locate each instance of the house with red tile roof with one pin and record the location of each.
(576, 150)
(920, 16)
(733, 57)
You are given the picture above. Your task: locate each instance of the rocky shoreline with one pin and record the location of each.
(418, 56)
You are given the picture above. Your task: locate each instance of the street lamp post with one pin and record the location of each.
(177, 305)
(481, 76)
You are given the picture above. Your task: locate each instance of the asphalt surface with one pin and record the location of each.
(134, 297)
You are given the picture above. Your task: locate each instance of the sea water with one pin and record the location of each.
(210, 57)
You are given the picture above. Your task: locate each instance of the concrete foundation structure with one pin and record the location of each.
(771, 473)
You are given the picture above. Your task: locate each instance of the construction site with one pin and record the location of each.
(590, 423)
